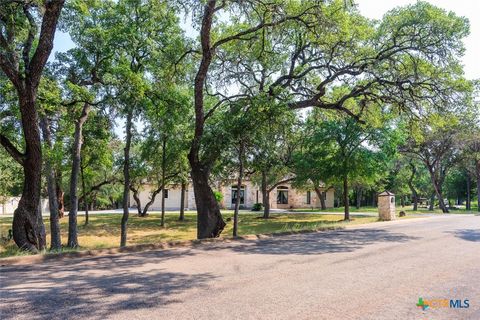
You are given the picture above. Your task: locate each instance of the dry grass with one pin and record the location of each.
(103, 231)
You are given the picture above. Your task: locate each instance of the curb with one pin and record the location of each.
(40, 258)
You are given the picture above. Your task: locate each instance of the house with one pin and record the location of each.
(9, 204)
(283, 196)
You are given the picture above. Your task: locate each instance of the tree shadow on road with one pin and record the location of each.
(321, 242)
(467, 234)
(136, 281)
(76, 292)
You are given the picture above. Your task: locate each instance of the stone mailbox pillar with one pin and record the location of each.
(386, 206)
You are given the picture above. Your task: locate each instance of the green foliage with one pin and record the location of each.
(273, 141)
(218, 196)
(336, 146)
(257, 207)
(10, 177)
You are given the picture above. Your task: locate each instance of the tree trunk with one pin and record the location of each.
(438, 190)
(126, 177)
(55, 236)
(164, 168)
(85, 200)
(415, 199)
(468, 204)
(319, 193)
(182, 202)
(477, 171)
(60, 194)
(210, 222)
(412, 187)
(239, 188)
(345, 199)
(265, 197)
(359, 198)
(152, 200)
(137, 201)
(76, 154)
(162, 219)
(431, 207)
(28, 228)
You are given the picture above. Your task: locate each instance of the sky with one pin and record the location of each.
(375, 9)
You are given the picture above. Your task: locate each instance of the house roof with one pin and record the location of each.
(386, 193)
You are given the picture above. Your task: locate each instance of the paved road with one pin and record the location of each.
(377, 271)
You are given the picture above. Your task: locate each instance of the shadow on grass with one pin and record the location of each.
(128, 282)
(467, 234)
(318, 243)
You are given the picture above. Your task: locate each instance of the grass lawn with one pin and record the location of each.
(103, 230)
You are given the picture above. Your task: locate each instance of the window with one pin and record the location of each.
(235, 193)
(324, 195)
(165, 193)
(282, 195)
(309, 197)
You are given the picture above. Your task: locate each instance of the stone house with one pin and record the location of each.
(9, 204)
(283, 196)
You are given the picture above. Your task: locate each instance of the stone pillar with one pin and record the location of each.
(386, 206)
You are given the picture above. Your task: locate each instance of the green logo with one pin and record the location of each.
(422, 304)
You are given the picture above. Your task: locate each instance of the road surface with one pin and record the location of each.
(375, 271)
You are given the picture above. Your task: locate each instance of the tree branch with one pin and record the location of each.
(261, 25)
(279, 183)
(97, 187)
(45, 42)
(12, 150)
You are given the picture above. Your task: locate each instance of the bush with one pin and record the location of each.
(257, 207)
(218, 196)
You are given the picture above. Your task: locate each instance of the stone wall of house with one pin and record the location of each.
(172, 202)
(9, 204)
(296, 198)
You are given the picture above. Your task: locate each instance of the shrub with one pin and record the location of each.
(257, 207)
(218, 196)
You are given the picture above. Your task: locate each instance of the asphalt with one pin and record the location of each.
(375, 271)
